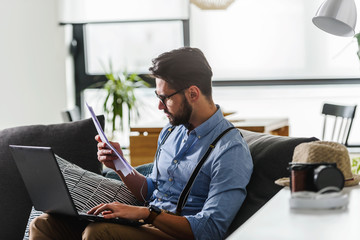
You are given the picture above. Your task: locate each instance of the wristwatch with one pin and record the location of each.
(154, 212)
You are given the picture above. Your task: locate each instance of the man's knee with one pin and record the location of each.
(56, 227)
(39, 227)
(40, 221)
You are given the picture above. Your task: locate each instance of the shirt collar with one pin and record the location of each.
(209, 124)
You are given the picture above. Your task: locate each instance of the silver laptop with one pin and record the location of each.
(46, 185)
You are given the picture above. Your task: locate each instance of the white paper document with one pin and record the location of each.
(120, 163)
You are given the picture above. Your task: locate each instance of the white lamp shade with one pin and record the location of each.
(337, 17)
(212, 4)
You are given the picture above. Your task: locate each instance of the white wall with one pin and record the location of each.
(32, 63)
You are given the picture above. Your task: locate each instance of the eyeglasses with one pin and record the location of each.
(163, 98)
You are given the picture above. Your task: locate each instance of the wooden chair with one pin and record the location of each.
(342, 121)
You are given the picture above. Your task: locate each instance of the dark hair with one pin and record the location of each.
(182, 68)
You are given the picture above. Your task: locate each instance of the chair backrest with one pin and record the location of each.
(71, 115)
(342, 121)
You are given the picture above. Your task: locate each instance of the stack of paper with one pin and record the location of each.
(120, 163)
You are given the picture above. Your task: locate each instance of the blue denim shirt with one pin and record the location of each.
(220, 187)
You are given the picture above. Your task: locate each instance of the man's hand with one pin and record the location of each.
(116, 209)
(106, 155)
(173, 225)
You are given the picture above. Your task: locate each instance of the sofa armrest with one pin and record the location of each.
(271, 156)
(73, 141)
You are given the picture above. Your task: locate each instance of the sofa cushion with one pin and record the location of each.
(271, 156)
(88, 189)
(73, 141)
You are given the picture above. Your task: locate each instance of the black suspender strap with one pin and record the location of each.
(167, 134)
(185, 192)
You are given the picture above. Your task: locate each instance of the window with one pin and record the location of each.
(271, 40)
(253, 42)
(127, 33)
(131, 45)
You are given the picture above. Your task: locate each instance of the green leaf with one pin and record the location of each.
(120, 92)
(357, 36)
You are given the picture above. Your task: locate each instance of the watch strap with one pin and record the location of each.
(154, 212)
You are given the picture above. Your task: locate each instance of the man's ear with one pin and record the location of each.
(193, 93)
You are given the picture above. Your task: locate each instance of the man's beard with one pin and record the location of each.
(183, 116)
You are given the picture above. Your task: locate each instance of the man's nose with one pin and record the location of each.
(161, 105)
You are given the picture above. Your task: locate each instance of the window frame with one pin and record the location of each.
(83, 79)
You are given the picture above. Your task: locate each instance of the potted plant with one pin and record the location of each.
(357, 36)
(120, 95)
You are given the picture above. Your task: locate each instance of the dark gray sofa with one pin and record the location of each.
(75, 142)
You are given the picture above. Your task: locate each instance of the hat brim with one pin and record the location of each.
(353, 182)
(285, 182)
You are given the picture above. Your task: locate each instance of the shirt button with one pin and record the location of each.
(199, 137)
(175, 161)
(170, 179)
(159, 199)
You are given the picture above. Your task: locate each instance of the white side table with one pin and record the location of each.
(275, 220)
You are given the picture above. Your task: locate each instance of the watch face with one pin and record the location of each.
(154, 209)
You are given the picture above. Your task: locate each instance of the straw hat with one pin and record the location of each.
(324, 152)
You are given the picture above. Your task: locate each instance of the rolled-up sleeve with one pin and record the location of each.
(150, 188)
(230, 174)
